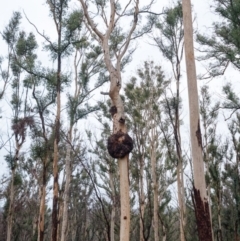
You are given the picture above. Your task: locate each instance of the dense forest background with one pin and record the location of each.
(64, 178)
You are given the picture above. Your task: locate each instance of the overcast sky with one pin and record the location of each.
(37, 12)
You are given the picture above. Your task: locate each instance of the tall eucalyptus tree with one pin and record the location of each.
(199, 188)
(115, 43)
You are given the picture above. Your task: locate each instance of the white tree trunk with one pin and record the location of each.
(124, 194)
(66, 189)
(196, 140)
(200, 194)
(119, 126)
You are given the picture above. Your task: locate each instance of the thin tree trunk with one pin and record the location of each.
(155, 192)
(220, 238)
(57, 11)
(66, 188)
(10, 209)
(180, 176)
(180, 201)
(41, 219)
(200, 195)
(12, 189)
(141, 200)
(113, 211)
(55, 161)
(60, 211)
(74, 224)
(55, 220)
(55, 194)
(124, 194)
(164, 238)
(207, 171)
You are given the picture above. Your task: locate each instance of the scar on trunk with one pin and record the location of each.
(202, 216)
(199, 135)
(119, 145)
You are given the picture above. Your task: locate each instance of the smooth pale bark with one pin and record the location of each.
(114, 69)
(122, 162)
(195, 134)
(125, 205)
(66, 188)
(200, 194)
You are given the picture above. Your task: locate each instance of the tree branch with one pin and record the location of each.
(42, 35)
(90, 21)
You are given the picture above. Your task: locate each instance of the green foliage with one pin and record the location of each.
(170, 38)
(149, 108)
(117, 38)
(10, 33)
(17, 180)
(25, 47)
(11, 161)
(233, 101)
(223, 45)
(73, 22)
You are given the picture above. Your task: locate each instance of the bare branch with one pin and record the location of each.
(131, 31)
(211, 75)
(104, 93)
(90, 21)
(42, 35)
(112, 18)
(123, 12)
